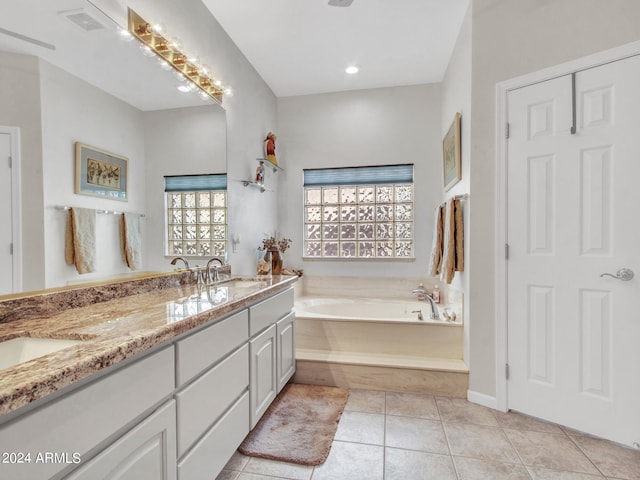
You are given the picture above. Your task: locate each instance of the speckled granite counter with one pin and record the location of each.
(115, 321)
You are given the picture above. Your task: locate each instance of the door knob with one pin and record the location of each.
(623, 274)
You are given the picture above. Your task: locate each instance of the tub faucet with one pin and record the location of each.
(215, 270)
(175, 261)
(422, 295)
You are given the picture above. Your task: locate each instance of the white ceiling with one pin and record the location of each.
(302, 47)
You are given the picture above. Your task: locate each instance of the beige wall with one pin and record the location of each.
(456, 97)
(378, 126)
(511, 38)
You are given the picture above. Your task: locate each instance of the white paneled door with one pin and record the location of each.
(573, 215)
(6, 232)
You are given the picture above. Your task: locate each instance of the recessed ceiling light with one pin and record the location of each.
(351, 69)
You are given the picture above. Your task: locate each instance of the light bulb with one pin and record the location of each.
(125, 35)
(352, 69)
(164, 64)
(146, 50)
(158, 28)
(228, 91)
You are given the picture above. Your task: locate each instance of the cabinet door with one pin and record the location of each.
(286, 349)
(148, 451)
(263, 368)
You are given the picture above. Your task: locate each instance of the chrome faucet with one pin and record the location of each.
(422, 295)
(175, 261)
(215, 269)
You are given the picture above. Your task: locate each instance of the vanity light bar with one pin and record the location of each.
(168, 51)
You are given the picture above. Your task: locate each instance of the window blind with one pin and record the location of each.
(384, 174)
(195, 183)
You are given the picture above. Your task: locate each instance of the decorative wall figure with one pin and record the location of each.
(270, 147)
(260, 173)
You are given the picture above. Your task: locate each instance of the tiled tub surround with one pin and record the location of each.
(117, 321)
(400, 354)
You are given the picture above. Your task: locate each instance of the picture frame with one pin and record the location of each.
(100, 173)
(451, 160)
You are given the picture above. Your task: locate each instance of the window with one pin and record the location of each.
(196, 215)
(359, 212)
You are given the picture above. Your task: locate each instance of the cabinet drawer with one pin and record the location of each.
(80, 420)
(270, 311)
(204, 348)
(209, 456)
(201, 403)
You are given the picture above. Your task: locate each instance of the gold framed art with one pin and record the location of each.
(100, 173)
(451, 160)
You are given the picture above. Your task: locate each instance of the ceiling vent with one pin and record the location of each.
(82, 19)
(340, 3)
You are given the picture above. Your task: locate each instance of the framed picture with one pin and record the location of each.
(451, 167)
(100, 173)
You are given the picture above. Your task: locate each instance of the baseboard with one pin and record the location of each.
(482, 399)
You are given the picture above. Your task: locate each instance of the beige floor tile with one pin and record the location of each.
(415, 434)
(458, 410)
(612, 460)
(550, 451)
(351, 461)
(476, 469)
(361, 428)
(518, 421)
(228, 475)
(413, 465)
(237, 462)
(369, 401)
(412, 405)
(278, 469)
(480, 441)
(254, 476)
(539, 473)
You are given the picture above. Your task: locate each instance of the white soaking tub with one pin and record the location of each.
(367, 310)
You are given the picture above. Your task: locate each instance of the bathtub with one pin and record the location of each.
(366, 310)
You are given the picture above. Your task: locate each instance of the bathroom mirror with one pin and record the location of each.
(66, 75)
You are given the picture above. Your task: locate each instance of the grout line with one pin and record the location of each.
(586, 455)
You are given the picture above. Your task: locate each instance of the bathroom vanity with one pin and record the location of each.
(164, 381)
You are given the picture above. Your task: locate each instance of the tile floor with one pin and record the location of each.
(402, 436)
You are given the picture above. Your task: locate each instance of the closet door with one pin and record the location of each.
(572, 216)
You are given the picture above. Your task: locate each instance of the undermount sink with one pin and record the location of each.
(22, 349)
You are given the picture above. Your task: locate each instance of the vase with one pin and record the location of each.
(276, 262)
(264, 262)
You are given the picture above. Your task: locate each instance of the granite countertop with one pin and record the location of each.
(114, 330)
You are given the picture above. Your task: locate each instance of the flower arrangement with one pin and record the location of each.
(273, 244)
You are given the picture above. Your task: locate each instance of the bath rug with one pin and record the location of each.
(299, 426)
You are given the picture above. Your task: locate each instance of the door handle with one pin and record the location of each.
(624, 274)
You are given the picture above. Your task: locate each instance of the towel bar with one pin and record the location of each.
(106, 212)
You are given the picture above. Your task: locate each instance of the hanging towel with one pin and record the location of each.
(435, 261)
(130, 240)
(459, 231)
(80, 239)
(453, 251)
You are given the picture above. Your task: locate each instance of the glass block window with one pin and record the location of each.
(196, 215)
(359, 212)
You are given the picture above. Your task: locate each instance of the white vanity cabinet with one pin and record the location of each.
(272, 358)
(178, 413)
(74, 424)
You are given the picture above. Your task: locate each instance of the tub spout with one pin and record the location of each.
(422, 295)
